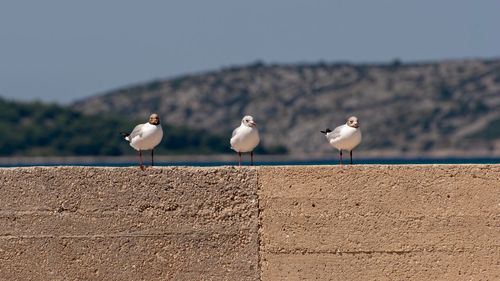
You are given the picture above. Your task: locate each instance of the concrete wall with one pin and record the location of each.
(125, 224)
(380, 223)
(360, 222)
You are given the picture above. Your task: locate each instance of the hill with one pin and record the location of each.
(419, 109)
(37, 129)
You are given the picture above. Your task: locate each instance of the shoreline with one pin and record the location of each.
(225, 159)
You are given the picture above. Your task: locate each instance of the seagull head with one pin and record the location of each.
(353, 122)
(248, 121)
(154, 119)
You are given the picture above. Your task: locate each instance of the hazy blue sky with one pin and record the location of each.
(65, 50)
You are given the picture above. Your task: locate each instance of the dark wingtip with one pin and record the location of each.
(326, 131)
(124, 134)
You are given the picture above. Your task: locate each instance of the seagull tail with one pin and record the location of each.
(125, 136)
(326, 131)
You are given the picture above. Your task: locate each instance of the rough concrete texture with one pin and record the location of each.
(359, 222)
(380, 222)
(124, 224)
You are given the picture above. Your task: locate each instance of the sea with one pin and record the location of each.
(384, 161)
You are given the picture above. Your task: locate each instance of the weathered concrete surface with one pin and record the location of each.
(358, 222)
(380, 222)
(125, 224)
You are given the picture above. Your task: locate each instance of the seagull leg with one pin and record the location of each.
(340, 156)
(239, 158)
(152, 157)
(141, 164)
(251, 158)
(350, 153)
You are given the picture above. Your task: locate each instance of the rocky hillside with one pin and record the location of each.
(425, 109)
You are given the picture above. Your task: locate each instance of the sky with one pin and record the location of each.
(62, 51)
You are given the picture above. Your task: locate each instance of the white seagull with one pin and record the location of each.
(245, 138)
(146, 137)
(345, 137)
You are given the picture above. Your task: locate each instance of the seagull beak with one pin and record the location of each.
(253, 124)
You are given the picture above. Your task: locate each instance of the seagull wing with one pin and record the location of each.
(335, 134)
(136, 132)
(235, 132)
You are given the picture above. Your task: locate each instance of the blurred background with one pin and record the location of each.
(422, 76)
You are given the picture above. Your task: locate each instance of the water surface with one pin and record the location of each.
(384, 161)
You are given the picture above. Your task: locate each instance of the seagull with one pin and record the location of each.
(345, 137)
(245, 138)
(145, 137)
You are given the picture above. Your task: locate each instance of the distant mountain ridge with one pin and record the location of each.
(432, 108)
